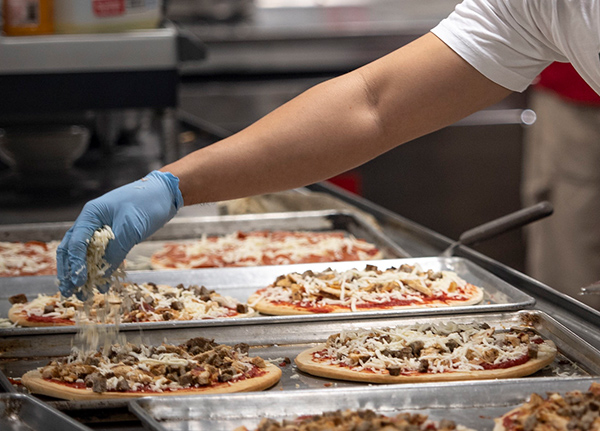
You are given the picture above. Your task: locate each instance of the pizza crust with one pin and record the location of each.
(281, 309)
(305, 362)
(18, 316)
(33, 381)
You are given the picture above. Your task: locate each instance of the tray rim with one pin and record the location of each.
(525, 302)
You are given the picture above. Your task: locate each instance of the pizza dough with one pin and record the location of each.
(133, 302)
(198, 366)
(370, 289)
(263, 248)
(428, 353)
(574, 410)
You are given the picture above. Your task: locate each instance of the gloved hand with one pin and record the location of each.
(134, 212)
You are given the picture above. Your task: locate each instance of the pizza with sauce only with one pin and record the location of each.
(357, 420)
(575, 410)
(263, 248)
(370, 289)
(19, 259)
(143, 302)
(428, 353)
(198, 366)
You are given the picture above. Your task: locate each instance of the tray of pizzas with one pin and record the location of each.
(265, 294)
(294, 356)
(215, 241)
(481, 406)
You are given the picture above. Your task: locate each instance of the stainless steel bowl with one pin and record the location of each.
(46, 148)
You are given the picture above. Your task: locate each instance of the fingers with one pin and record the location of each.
(62, 266)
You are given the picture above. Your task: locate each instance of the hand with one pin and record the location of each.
(134, 212)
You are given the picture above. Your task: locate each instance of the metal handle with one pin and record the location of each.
(592, 289)
(506, 223)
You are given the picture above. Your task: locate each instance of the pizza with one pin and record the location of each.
(198, 366)
(574, 410)
(332, 291)
(27, 258)
(428, 353)
(143, 302)
(263, 248)
(351, 420)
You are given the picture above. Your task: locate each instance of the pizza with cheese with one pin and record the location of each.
(199, 366)
(428, 353)
(27, 258)
(574, 410)
(351, 420)
(370, 289)
(263, 248)
(144, 302)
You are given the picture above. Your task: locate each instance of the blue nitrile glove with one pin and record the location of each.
(134, 212)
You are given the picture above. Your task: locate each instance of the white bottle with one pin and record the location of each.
(105, 16)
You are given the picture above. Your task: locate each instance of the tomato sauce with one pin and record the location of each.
(49, 319)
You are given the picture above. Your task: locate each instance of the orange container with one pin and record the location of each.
(28, 17)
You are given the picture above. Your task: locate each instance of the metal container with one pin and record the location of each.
(186, 228)
(20, 412)
(240, 283)
(478, 403)
(275, 342)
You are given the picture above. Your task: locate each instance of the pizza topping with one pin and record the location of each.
(97, 266)
(265, 248)
(195, 363)
(144, 302)
(371, 287)
(20, 298)
(351, 420)
(443, 348)
(574, 410)
(27, 258)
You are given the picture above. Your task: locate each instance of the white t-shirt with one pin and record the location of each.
(512, 41)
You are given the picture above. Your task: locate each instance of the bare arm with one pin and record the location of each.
(340, 124)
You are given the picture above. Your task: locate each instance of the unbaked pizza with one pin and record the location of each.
(263, 248)
(143, 302)
(427, 353)
(199, 366)
(27, 258)
(358, 420)
(332, 291)
(574, 410)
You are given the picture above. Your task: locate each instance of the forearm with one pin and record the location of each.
(339, 124)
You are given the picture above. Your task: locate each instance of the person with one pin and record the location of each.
(561, 165)
(482, 52)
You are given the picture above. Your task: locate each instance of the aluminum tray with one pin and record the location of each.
(240, 283)
(186, 228)
(476, 406)
(20, 412)
(277, 341)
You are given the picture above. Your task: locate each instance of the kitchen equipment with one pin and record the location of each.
(501, 225)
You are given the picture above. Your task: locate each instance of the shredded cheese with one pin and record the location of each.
(260, 248)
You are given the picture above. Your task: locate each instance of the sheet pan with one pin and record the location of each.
(275, 342)
(240, 283)
(22, 412)
(181, 229)
(477, 405)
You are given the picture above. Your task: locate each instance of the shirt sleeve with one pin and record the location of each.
(508, 41)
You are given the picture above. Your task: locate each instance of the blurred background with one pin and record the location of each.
(96, 93)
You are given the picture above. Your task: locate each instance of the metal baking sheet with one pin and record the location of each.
(240, 283)
(180, 229)
(275, 342)
(20, 412)
(476, 407)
